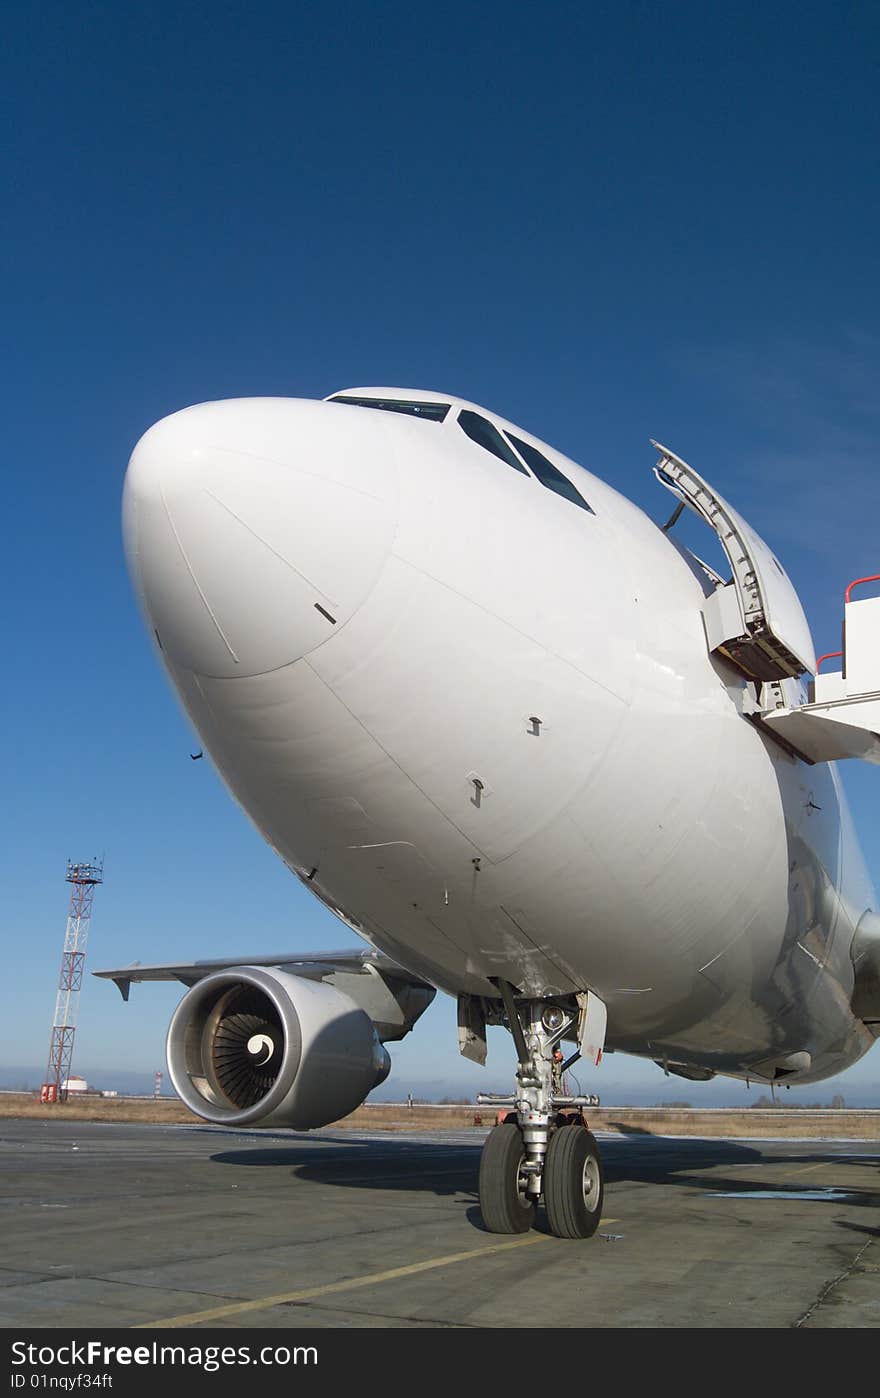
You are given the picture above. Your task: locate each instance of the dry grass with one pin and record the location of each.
(89, 1108)
(655, 1121)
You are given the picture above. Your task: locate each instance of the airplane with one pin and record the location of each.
(525, 744)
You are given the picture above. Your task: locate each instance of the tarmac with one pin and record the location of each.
(191, 1226)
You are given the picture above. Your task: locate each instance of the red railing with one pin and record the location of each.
(875, 577)
(829, 654)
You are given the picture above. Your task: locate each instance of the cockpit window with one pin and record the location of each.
(434, 412)
(485, 435)
(548, 474)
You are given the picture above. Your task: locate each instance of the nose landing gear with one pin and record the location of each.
(542, 1147)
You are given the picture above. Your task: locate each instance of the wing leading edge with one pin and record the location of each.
(392, 996)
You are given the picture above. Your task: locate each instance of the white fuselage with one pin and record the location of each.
(482, 723)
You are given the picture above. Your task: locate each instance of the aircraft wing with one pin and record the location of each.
(314, 966)
(393, 997)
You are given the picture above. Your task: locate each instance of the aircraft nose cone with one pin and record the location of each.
(255, 528)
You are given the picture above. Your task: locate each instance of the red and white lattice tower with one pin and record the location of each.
(84, 879)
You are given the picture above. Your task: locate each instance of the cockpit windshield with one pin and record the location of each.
(481, 431)
(547, 473)
(433, 412)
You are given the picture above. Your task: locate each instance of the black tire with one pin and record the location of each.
(574, 1183)
(503, 1204)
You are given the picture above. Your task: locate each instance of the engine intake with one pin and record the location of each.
(252, 1046)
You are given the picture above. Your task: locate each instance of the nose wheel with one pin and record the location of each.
(574, 1184)
(504, 1199)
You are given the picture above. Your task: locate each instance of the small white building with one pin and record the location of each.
(75, 1084)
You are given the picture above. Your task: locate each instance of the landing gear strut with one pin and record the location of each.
(542, 1146)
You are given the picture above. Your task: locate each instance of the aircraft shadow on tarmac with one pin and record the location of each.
(417, 1165)
(447, 1168)
(858, 1227)
(679, 1162)
(439, 1168)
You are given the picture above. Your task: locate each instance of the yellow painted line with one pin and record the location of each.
(333, 1288)
(808, 1169)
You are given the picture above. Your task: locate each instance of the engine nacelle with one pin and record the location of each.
(252, 1046)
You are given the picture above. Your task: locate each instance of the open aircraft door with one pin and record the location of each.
(756, 620)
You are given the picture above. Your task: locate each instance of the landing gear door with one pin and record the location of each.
(756, 620)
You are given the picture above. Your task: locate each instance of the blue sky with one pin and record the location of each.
(605, 221)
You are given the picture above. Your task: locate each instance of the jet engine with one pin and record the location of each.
(254, 1046)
